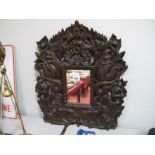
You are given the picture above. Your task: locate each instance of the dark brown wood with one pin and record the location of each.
(78, 47)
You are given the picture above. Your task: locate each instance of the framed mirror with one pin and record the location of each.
(79, 86)
(79, 80)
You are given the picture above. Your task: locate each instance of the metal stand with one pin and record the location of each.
(13, 98)
(8, 91)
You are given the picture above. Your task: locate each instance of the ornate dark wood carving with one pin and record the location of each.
(79, 47)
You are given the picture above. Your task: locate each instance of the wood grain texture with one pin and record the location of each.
(78, 47)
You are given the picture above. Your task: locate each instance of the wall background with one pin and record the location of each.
(138, 40)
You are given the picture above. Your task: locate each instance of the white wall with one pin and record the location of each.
(138, 40)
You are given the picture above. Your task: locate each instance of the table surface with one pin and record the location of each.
(36, 126)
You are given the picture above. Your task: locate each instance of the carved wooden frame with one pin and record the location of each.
(79, 47)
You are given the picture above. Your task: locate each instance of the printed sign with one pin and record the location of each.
(7, 103)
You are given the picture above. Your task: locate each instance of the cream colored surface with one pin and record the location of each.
(37, 126)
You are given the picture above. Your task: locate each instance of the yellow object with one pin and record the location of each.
(7, 91)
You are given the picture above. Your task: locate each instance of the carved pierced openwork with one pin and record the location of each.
(80, 50)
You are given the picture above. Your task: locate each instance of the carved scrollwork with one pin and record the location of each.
(80, 47)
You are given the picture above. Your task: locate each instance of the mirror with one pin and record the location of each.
(66, 61)
(78, 86)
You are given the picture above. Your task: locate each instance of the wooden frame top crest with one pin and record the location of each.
(79, 47)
